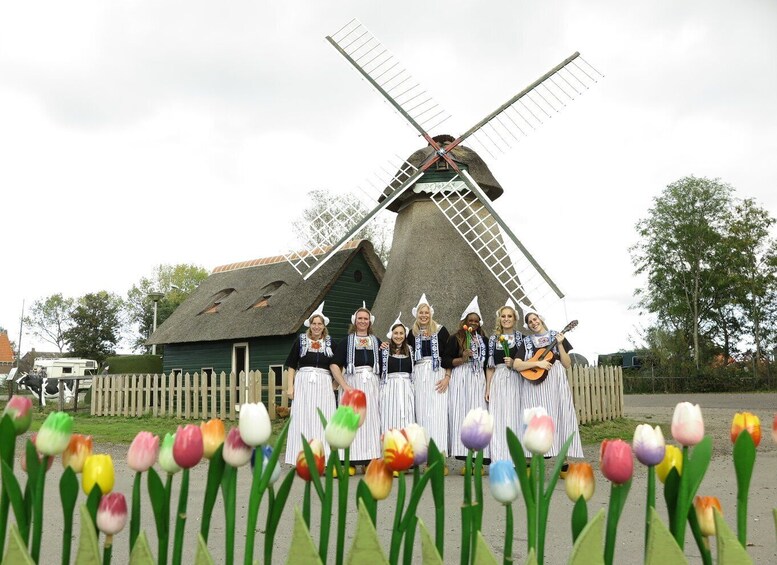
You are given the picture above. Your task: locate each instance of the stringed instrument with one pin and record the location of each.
(537, 375)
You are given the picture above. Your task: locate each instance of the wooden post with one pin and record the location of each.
(223, 396)
(187, 394)
(271, 393)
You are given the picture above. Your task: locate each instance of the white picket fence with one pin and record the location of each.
(597, 393)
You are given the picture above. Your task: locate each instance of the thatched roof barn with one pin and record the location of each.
(260, 305)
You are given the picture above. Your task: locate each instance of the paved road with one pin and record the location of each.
(717, 408)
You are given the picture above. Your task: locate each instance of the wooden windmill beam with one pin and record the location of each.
(513, 100)
(380, 89)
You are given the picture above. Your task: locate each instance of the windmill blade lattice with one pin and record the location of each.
(530, 108)
(342, 217)
(384, 72)
(508, 260)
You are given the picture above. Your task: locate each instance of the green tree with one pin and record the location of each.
(175, 282)
(96, 326)
(50, 318)
(681, 254)
(330, 216)
(754, 262)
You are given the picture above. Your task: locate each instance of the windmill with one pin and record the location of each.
(449, 241)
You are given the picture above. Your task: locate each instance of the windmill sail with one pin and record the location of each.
(527, 110)
(494, 243)
(385, 73)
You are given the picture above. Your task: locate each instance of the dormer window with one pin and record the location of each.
(266, 293)
(217, 300)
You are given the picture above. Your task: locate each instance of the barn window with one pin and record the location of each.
(357, 276)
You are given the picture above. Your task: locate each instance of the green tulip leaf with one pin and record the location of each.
(774, 514)
(438, 494)
(273, 459)
(302, 549)
(661, 545)
(68, 491)
(93, 502)
(141, 552)
(156, 492)
(588, 546)
(429, 553)
(322, 417)
(14, 492)
(17, 550)
(744, 459)
(88, 549)
(519, 460)
(531, 559)
(366, 546)
(698, 461)
(671, 489)
(7, 447)
(215, 472)
(203, 556)
(311, 461)
(729, 549)
(483, 554)
(579, 517)
(560, 458)
(32, 461)
(415, 496)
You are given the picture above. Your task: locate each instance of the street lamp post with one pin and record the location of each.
(156, 296)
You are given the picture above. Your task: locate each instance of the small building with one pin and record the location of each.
(245, 316)
(7, 356)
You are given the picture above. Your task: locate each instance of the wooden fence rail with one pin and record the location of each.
(597, 393)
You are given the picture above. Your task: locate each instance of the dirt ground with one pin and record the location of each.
(717, 409)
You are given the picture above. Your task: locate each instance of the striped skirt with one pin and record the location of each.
(397, 402)
(312, 390)
(431, 407)
(505, 407)
(555, 396)
(466, 391)
(366, 445)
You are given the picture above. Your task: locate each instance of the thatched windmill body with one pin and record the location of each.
(449, 242)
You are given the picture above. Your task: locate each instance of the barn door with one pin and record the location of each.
(240, 363)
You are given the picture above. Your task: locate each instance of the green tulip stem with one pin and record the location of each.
(407, 558)
(618, 495)
(254, 501)
(650, 502)
(326, 507)
(180, 521)
(274, 515)
(306, 504)
(268, 527)
(135, 512)
(541, 511)
(37, 520)
(508, 552)
(229, 491)
(477, 516)
(396, 533)
(108, 550)
(466, 512)
(164, 535)
(342, 505)
(681, 510)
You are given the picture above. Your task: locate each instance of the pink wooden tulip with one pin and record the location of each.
(687, 424)
(615, 461)
(143, 452)
(112, 513)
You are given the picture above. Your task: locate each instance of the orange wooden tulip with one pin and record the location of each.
(746, 421)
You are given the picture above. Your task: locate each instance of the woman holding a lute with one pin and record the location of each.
(542, 360)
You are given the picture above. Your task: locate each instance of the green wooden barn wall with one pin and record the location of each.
(355, 284)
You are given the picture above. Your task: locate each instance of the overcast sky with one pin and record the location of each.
(147, 132)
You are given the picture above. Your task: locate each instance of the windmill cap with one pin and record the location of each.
(463, 156)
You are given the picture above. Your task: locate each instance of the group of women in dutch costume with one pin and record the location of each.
(424, 375)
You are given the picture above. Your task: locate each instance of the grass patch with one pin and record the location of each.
(122, 430)
(622, 428)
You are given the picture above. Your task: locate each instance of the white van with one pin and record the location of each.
(68, 367)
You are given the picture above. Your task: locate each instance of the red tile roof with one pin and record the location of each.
(278, 258)
(6, 353)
